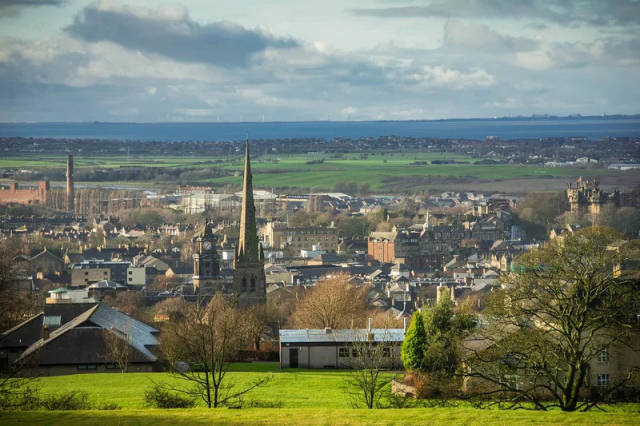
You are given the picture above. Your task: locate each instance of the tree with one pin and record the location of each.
(413, 345)
(255, 320)
(118, 348)
(207, 339)
(370, 357)
(443, 330)
(334, 302)
(561, 308)
(128, 302)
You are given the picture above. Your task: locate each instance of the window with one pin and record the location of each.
(110, 366)
(603, 380)
(343, 352)
(603, 356)
(130, 279)
(244, 284)
(253, 283)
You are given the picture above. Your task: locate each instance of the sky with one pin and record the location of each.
(293, 60)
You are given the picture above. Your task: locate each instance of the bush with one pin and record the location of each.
(20, 398)
(66, 401)
(108, 406)
(158, 396)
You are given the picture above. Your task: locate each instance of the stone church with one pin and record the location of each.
(249, 282)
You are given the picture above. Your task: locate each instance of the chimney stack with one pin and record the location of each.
(70, 188)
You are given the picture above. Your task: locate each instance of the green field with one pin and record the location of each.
(305, 396)
(382, 172)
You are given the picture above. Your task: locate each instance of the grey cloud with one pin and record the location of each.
(13, 7)
(177, 37)
(593, 12)
(458, 34)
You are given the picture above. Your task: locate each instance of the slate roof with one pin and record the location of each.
(85, 335)
(341, 335)
(23, 334)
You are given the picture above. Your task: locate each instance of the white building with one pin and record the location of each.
(333, 348)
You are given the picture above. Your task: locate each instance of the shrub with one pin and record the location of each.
(158, 396)
(20, 398)
(108, 406)
(73, 400)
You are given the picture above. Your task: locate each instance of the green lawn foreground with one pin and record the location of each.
(307, 397)
(321, 415)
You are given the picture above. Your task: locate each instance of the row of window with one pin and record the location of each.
(94, 366)
(345, 352)
(512, 380)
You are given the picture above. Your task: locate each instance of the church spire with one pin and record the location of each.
(248, 249)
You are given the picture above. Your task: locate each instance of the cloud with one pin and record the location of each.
(606, 52)
(439, 76)
(593, 12)
(480, 36)
(170, 32)
(13, 7)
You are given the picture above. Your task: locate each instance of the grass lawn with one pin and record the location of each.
(455, 416)
(382, 172)
(294, 388)
(307, 397)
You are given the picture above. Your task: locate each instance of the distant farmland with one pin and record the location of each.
(383, 172)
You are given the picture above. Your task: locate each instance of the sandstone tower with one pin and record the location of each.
(206, 263)
(586, 197)
(249, 282)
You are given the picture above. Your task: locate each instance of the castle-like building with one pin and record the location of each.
(249, 281)
(586, 197)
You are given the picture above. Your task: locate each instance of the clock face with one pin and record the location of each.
(207, 245)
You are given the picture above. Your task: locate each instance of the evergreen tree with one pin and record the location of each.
(413, 345)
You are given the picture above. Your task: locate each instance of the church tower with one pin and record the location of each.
(206, 263)
(249, 282)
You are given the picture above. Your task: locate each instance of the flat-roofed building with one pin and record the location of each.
(334, 348)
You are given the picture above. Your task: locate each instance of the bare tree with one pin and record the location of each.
(370, 357)
(119, 350)
(255, 320)
(334, 302)
(200, 346)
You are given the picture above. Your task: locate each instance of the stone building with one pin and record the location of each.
(279, 235)
(585, 196)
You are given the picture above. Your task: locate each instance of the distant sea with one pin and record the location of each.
(508, 128)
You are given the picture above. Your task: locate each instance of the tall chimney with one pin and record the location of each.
(70, 188)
